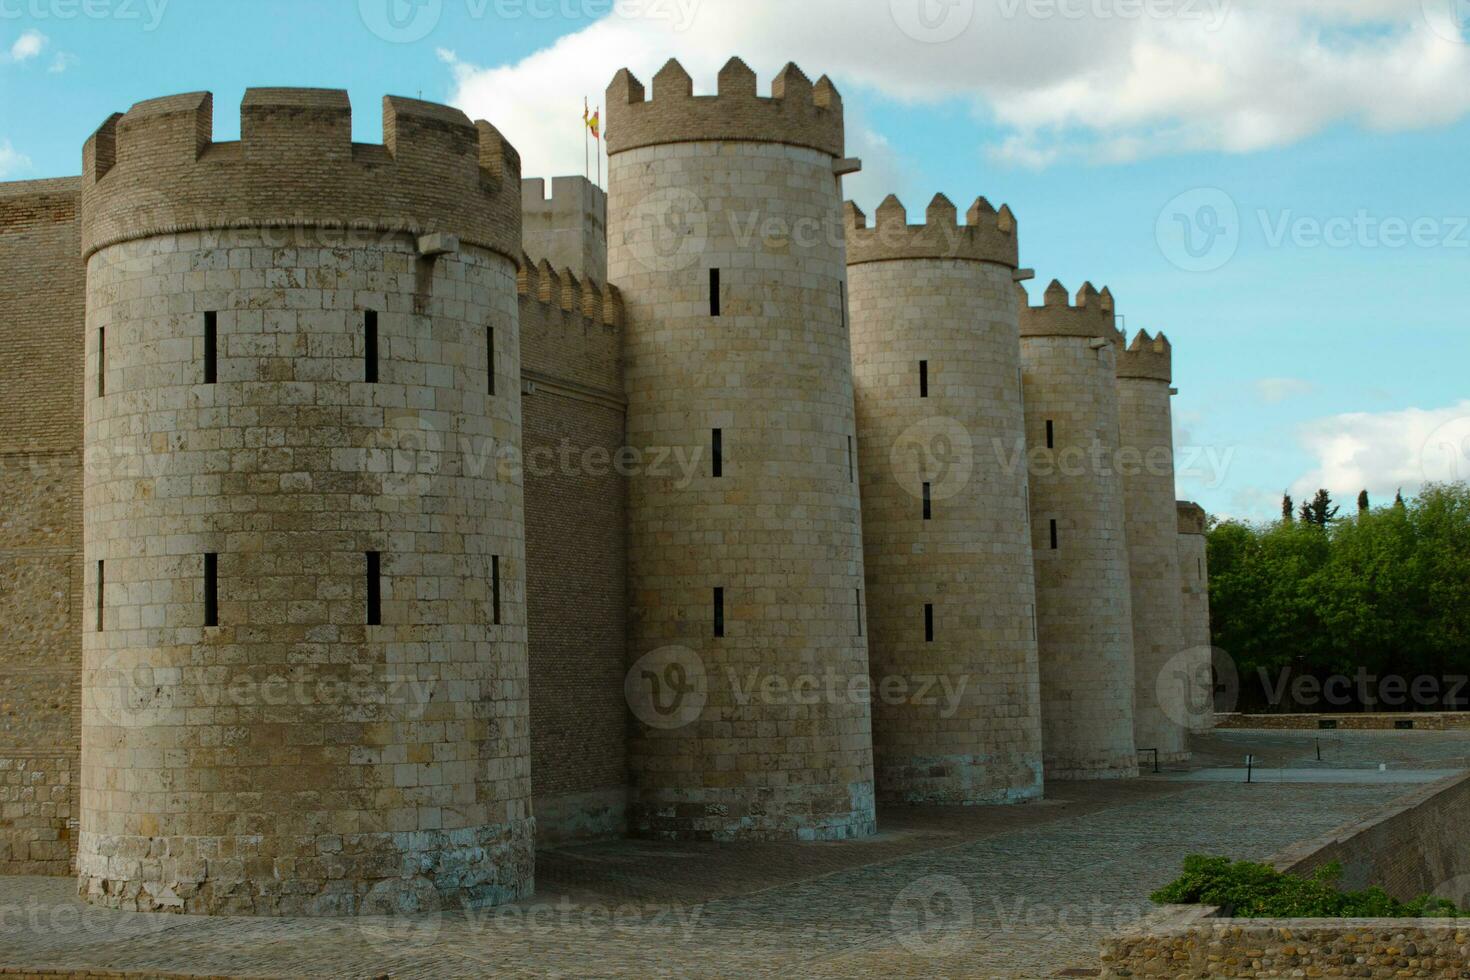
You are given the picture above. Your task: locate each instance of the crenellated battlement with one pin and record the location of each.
(987, 235)
(157, 169)
(1091, 316)
(1148, 357)
(797, 112)
(568, 296)
(569, 228)
(1191, 517)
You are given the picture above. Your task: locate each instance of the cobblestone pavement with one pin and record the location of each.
(1016, 892)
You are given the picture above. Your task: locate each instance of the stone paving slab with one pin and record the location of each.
(1026, 892)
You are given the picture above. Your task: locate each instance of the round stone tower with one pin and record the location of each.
(745, 542)
(1084, 623)
(1147, 461)
(305, 652)
(946, 539)
(1194, 614)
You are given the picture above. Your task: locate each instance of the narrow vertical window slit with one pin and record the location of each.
(370, 346)
(211, 589)
(374, 590)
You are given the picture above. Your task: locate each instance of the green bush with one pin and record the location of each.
(1257, 891)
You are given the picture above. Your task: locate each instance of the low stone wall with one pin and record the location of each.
(1188, 941)
(1429, 721)
(1414, 847)
(1417, 846)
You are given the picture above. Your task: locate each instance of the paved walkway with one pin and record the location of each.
(1024, 892)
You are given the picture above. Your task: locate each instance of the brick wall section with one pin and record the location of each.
(576, 553)
(976, 737)
(41, 324)
(1084, 621)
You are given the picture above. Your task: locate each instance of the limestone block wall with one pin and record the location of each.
(1194, 614)
(300, 757)
(568, 227)
(941, 454)
(576, 552)
(1161, 665)
(1083, 599)
(40, 524)
(746, 737)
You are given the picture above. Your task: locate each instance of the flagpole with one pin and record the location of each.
(586, 167)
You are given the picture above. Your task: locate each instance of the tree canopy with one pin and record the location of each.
(1381, 597)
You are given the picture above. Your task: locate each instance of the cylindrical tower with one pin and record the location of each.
(1147, 463)
(745, 547)
(305, 653)
(1194, 614)
(946, 539)
(1084, 623)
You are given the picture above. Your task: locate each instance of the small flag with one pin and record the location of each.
(595, 123)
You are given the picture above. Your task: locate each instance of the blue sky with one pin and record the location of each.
(1320, 340)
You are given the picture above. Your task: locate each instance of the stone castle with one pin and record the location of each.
(370, 517)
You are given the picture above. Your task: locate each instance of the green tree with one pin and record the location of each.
(1363, 506)
(1288, 508)
(1320, 510)
(1388, 593)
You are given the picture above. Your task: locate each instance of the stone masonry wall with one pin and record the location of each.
(568, 228)
(41, 316)
(726, 748)
(296, 759)
(1194, 614)
(1416, 847)
(1084, 621)
(975, 736)
(576, 553)
(1160, 663)
(1190, 942)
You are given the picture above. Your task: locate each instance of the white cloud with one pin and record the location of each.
(11, 161)
(62, 62)
(1240, 77)
(27, 46)
(1385, 451)
(1274, 391)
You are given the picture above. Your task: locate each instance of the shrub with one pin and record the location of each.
(1247, 890)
